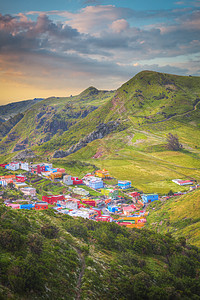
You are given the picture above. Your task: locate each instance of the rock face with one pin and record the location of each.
(101, 131)
(25, 154)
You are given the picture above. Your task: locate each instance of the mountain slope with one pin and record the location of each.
(178, 216)
(12, 109)
(50, 117)
(47, 256)
(146, 108)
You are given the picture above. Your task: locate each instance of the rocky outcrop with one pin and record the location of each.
(21, 146)
(24, 154)
(101, 131)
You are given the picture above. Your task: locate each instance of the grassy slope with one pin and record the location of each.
(49, 256)
(12, 109)
(138, 152)
(179, 216)
(35, 124)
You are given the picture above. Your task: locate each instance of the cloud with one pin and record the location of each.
(97, 44)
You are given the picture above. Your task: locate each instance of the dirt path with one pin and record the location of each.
(79, 282)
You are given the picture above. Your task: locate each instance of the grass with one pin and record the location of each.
(178, 215)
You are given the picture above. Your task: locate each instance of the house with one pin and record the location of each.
(147, 198)
(76, 180)
(61, 170)
(80, 191)
(111, 193)
(51, 199)
(182, 182)
(28, 191)
(112, 209)
(124, 184)
(26, 206)
(14, 206)
(21, 178)
(4, 180)
(24, 166)
(128, 210)
(134, 194)
(67, 179)
(96, 210)
(13, 166)
(102, 173)
(89, 202)
(104, 218)
(19, 185)
(41, 205)
(56, 175)
(40, 169)
(96, 183)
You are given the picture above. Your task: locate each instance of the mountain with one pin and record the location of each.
(44, 255)
(10, 110)
(123, 130)
(178, 216)
(50, 117)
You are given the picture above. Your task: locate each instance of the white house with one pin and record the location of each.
(67, 179)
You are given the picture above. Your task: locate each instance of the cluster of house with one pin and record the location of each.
(109, 206)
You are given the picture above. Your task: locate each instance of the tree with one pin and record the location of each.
(173, 142)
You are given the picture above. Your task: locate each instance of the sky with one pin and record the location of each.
(59, 48)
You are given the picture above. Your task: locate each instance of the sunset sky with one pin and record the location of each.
(59, 48)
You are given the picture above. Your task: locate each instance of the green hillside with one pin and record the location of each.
(179, 216)
(147, 108)
(44, 255)
(12, 109)
(51, 117)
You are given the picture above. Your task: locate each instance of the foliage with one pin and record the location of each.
(114, 262)
(173, 142)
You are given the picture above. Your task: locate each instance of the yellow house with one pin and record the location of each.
(102, 173)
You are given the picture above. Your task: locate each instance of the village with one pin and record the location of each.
(96, 196)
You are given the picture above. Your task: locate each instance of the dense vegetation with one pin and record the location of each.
(49, 256)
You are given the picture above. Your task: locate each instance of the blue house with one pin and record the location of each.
(124, 184)
(96, 184)
(147, 198)
(112, 208)
(27, 206)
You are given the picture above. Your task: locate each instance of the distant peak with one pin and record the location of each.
(90, 91)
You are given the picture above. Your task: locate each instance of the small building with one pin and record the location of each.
(41, 205)
(51, 199)
(182, 182)
(112, 208)
(20, 185)
(124, 184)
(80, 191)
(56, 175)
(96, 183)
(76, 180)
(134, 194)
(29, 191)
(40, 169)
(67, 179)
(128, 210)
(24, 166)
(102, 173)
(147, 198)
(13, 205)
(13, 166)
(104, 218)
(20, 178)
(90, 202)
(27, 206)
